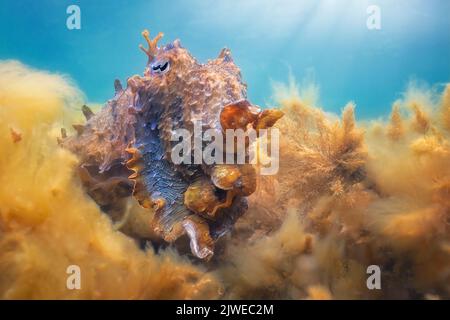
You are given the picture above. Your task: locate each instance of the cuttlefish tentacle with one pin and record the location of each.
(197, 229)
(225, 176)
(238, 115)
(267, 118)
(226, 204)
(240, 178)
(241, 114)
(200, 197)
(237, 180)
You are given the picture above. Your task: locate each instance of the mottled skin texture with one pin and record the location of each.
(132, 133)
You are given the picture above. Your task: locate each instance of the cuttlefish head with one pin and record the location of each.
(166, 66)
(169, 70)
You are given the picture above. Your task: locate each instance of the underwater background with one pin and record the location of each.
(360, 183)
(325, 41)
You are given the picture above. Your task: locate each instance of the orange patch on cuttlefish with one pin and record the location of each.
(240, 114)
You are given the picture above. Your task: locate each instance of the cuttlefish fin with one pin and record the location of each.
(139, 191)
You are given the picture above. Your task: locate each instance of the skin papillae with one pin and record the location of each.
(126, 147)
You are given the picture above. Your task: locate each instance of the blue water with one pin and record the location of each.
(327, 39)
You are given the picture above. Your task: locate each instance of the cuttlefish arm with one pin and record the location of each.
(235, 180)
(202, 245)
(240, 114)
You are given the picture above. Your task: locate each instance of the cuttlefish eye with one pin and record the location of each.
(160, 66)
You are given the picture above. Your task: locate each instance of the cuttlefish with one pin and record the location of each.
(126, 147)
